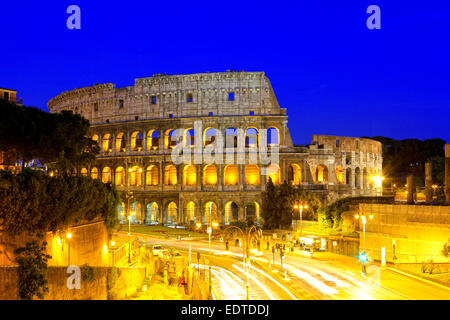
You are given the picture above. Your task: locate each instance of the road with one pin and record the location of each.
(325, 276)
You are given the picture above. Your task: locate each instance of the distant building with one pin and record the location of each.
(10, 95)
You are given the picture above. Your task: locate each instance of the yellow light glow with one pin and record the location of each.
(113, 243)
(371, 217)
(296, 206)
(356, 216)
(69, 235)
(198, 225)
(215, 224)
(378, 181)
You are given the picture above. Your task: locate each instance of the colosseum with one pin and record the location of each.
(136, 129)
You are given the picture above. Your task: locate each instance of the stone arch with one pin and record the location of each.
(121, 142)
(358, 178)
(189, 175)
(170, 138)
(365, 183)
(273, 136)
(106, 175)
(119, 176)
(294, 174)
(274, 173)
(136, 143)
(252, 175)
(95, 138)
(152, 139)
(84, 172)
(121, 212)
(231, 138)
(210, 175)
(135, 176)
(251, 137)
(231, 175)
(210, 207)
(107, 143)
(252, 209)
(231, 212)
(170, 175)
(339, 175)
(321, 173)
(189, 137)
(189, 212)
(348, 176)
(171, 213)
(152, 175)
(209, 136)
(136, 212)
(153, 215)
(94, 173)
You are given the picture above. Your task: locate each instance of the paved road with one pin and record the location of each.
(325, 276)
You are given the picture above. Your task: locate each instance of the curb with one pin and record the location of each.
(419, 278)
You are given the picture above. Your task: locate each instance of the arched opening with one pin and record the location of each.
(295, 174)
(170, 175)
(189, 213)
(95, 137)
(210, 213)
(252, 175)
(106, 175)
(273, 137)
(172, 213)
(189, 175)
(136, 176)
(252, 210)
(274, 173)
(251, 137)
(152, 176)
(152, 140)
(152, 213)
(136, 141)
(210, 175)
(120, 176)
(189, 136)
(84, 172)
(107, 143)
(121, 142)
(121, 212)
(321, 174)
(231, 138)
(170, 139)
(358, 178)
(348, 176)
(231, 175)
(365, 179)
(340, 175)
(209, 136)
(136, 212)
(94, 173)
(231, 212)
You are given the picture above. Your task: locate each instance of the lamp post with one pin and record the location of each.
(300, 208)
(363, 221)
(68, 236)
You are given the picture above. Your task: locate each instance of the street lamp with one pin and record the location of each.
(300, 208)
(363, 221)
(68, 236)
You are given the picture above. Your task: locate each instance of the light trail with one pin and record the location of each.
(275, 281)
(313, 281)
(263, 287)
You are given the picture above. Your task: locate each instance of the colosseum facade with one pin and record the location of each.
(136, 129)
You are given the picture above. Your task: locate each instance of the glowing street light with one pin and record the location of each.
(68, 236)
(363, 221)
(300, 208)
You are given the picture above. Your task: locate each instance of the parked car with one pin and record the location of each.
(156, 249)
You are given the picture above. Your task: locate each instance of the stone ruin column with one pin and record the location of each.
(447, 173)
(428, 183)
(410, 189)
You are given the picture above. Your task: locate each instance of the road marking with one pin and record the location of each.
(257, 282)
(276, 282)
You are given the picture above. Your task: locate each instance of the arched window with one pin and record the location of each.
(106, 175)
(358, 178)
(135, 212)
(348, 176)
(170, 139)
(252, 210)
(84, 172)
(209, 136)
(252, 175)
(231, 138)
(136, 141)
(152, 213)
(121, 212)
(95, 138)
(94, 173)
(273, 172)
(231, 212)
(135, 176)
(321, 173)
(231, 175)
(189, 137)
(152, 176)
(295, 174)
(340, 175)
(210, 213)
(120, 176)
(170, 175)
(121, 142)
(273, 137)
(189, 212)
(172, 213)
(152, 140)
(107, 143)
(251, 137)
(210, 175)
(189, 175)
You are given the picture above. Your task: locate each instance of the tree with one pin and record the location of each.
(32, 262)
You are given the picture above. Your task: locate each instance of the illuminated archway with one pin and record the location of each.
(321, 173)
(231, 212)
(251, 137)
(106, 175)
(210, 213)
(152, 140)
(340, 175)
(252, 175)
(210, 175)
(273, 136)
(107, 143)
(152, 213)
(295, 174)
(136, 141)
(120, 176)
(95, 137)
(189, 137)
(84, 172)
(358, 178)
(94, 173)
(231, 175)
(121, 142)
(274, 173)
(152, 175)
(252, 210)
(189, 213)
(136, 176)
(170, 139)
(121, 212)
(172, 213)
(231, 138)
(136, 212)
(189, 175)
(170, 175)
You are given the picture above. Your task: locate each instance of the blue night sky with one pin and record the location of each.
(332, 74)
